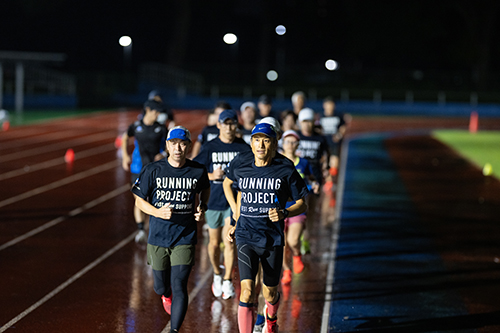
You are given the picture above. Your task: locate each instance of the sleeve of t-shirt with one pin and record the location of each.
(230, 168)
(202, 157)
(131, 130)
(202, 138)
(143, 184)
(298, 187)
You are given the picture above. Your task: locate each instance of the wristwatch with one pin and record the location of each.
(285, 213)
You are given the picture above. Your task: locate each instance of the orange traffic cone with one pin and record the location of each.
(118, 142)
(69, 157)
(473, 122)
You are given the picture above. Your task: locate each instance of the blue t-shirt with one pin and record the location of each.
(160, 183)
(312, 148)
(264, 188)
(217, 154)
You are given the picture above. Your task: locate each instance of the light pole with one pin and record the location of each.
(126, 42)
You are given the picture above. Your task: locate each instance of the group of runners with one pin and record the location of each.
(255, 185)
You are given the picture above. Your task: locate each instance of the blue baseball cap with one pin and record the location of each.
(228, 114)
(264, 128)
(179, 132)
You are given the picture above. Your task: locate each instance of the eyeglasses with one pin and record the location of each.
(290, 142)
(229, 124)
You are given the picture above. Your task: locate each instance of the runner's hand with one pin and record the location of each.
(200, 215)
(275, 215)
(230, 234)
(165, 212)
(218, 173)
(125, 162)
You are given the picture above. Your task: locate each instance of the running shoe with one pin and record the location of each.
(271, 325)
(287, 277)
(227, 289)
(167, 303)
(258, 328)
(141, 237)
(217, 285)
(298, 265)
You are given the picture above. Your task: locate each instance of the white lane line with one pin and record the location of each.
(72, 279)
(193, 294)
(61, 182)
(330, 276)
(45, 137)
(60, 145)
(56, 161)
(72, 213)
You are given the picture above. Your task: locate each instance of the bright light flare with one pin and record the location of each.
(125, 41)
(272, 75)
(230, 38)
(331, 65)
(280, 30)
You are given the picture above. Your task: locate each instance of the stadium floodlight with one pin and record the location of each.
(280, 30)
(230, 38)
(272, 75)
(331, 65)
(125, 41)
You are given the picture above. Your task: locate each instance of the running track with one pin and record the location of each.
(411, 254)
(68, 260)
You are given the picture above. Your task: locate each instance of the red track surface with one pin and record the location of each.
(68, 259)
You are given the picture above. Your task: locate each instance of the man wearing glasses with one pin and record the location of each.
(216, 155)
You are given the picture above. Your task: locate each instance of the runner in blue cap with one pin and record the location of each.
(264, 186)
(166, 190)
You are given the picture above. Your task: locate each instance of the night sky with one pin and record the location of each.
(377, 35)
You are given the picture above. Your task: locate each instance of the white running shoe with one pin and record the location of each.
(217, 285)
(258, 328)
(141, 237)
(227, 289)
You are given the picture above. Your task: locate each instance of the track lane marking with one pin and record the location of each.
(65, 284)
(59, 183)
(72, 213)
(330, 276)
(56, 146)
(55, 161)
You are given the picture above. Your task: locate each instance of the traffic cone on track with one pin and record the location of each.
(69, 157)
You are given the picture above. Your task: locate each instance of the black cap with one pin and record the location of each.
(154, 105)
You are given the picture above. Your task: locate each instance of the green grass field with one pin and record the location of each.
(35, 116)
(479, 148)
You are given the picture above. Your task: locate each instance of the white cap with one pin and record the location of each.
(291, 133)
(247, 105)
(272, 121)
(306, 114)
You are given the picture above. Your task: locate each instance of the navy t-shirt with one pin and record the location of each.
(312, 148)
(208, 134)
(160, 183)
(264, 188)
(217, 154)
(149, 139)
